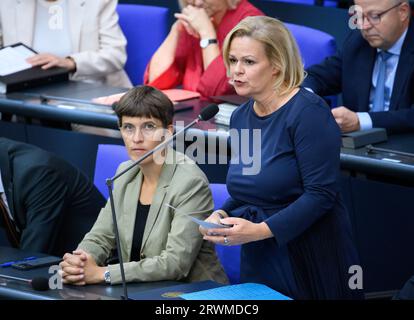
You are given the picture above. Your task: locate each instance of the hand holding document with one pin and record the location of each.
(202, 223)
(209, 225)
(17, 73)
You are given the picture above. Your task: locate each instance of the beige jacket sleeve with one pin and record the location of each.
(109, 54)
(101, 239)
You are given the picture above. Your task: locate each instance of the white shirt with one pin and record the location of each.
(365, 120)
(51, 33)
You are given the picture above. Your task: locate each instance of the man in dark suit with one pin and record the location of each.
(374, 71)
(46, 205)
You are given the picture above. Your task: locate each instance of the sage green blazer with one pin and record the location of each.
(172, 246)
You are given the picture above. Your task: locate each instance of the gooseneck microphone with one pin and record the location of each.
(37, 283)
(206, 114)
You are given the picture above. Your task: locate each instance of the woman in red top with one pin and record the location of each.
(181, 60)
(191, 54)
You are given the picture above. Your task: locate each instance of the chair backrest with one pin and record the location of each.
(228, 256)
(145, 28)
(314, 45)
(108, 158)
(326, 3)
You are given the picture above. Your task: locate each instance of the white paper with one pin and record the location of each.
(24, 51)
(209, 225)
(13, 60)
(204, 224)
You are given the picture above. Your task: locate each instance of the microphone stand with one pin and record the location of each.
(110, 182)
(372, 149)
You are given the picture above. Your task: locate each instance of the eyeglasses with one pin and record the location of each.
(147, 129)
(375, 18)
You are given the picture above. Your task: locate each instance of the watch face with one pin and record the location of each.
(204, 43)
(107, 276)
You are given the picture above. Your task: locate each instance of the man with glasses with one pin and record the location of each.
(374, 70)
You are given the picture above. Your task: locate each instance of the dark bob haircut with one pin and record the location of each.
(145, 102)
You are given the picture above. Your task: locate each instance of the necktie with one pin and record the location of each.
(379, 97)
(11, 231)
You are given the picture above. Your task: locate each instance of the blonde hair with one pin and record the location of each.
(231, 3)
(280, 47)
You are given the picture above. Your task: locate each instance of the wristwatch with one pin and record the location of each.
(74, 62)
(107, 276)
(204, 43)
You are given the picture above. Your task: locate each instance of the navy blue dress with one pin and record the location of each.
(294, 188)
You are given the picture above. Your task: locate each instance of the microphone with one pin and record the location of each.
(37, 283)
(206, 114)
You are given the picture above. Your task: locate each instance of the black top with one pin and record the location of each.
(140, 221)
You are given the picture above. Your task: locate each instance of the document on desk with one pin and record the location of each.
(177, 95)
(13, 59)
(245, 291)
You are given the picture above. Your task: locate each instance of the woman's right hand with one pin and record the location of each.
(213, 218)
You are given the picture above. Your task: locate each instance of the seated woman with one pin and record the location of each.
(82, 36)
(190, 56)
(288, 215)
(157, 241)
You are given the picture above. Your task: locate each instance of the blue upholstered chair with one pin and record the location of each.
(229, 256)
(145, 28)
(314, 45)
(108, 158)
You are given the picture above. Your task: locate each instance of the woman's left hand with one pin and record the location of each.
(243, 231)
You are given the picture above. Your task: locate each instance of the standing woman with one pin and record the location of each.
(289, 216)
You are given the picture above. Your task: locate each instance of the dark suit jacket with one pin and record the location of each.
(350, 73)
(53, 204)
